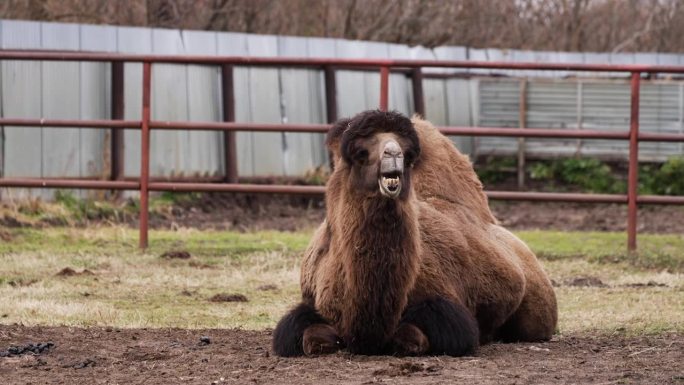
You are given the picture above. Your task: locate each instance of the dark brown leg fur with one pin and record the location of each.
(320, 339)
(410, 341)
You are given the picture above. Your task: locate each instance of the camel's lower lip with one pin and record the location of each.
(390, 186)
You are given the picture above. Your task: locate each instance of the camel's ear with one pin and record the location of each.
(332, 140)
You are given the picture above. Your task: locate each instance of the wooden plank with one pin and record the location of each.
(236, 44)
(203, 105)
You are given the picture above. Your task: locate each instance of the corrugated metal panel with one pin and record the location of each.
(203, 87)
(169, 149)
(605, 107)
(321, 47)
(457, 98)
(499, 107)
(236, 44)
(301, 103)
(61, 100)
(551, 104)
(660, 111)
(400, 91)
(95, 86)
(351, 85)
(133, 40)
(22, 80)
(264, 98)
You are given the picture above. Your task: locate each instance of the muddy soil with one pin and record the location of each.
(244, 212)
(170, 356)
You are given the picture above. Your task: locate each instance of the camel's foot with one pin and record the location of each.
(320, 339)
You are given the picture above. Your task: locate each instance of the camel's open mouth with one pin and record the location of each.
(390, 186)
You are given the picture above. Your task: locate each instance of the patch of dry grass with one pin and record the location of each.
(633, 300)
(130, 288)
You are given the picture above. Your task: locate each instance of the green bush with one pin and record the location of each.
(588, 174)
(495, 170)
(669, 179)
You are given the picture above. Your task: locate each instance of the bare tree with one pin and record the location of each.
(567, 25)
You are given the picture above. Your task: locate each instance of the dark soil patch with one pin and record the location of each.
(406, 369)
(30, 348)
(288, 213)
(22, 282)
(586, 217)
(641, 285)
(5, 235)
(166, 356)
(584, 282)
(176, 254)
(267, 287)
(69, 272)
(243, 212)
(228, 298)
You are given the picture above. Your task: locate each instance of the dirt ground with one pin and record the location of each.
(131, 356)
(163, 356)
(244, 212)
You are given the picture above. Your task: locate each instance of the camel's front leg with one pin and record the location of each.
(304, 331)
(436, 326)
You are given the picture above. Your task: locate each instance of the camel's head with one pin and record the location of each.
(377, 149)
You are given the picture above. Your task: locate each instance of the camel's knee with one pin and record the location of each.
(450, 328)
(288, 336)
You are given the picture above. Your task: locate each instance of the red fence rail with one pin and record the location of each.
(411, 68)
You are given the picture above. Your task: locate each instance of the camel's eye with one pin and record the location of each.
(360, 156)
(410, 157)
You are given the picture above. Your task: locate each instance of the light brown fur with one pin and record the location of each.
(464, 255)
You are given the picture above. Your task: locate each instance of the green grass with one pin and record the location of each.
(654, 251)
(131, 288)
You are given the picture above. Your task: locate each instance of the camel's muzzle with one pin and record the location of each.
(391, 169)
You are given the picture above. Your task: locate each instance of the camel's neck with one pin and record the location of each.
(379, 243)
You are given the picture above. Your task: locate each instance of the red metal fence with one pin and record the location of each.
(411, 68)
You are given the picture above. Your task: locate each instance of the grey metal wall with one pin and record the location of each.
(584, 104)
(82, 90)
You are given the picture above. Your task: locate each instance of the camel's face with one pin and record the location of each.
(379, 150)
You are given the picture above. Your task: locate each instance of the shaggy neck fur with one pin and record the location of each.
(378, 241)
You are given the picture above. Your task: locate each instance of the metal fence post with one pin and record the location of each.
(418, 97)
(384, 88)
(330, 103)
(229, 137)
(633, 174)
(117, 113)
(522, 123)
(145, 154)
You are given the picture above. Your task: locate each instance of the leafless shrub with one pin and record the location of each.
(565, 25)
